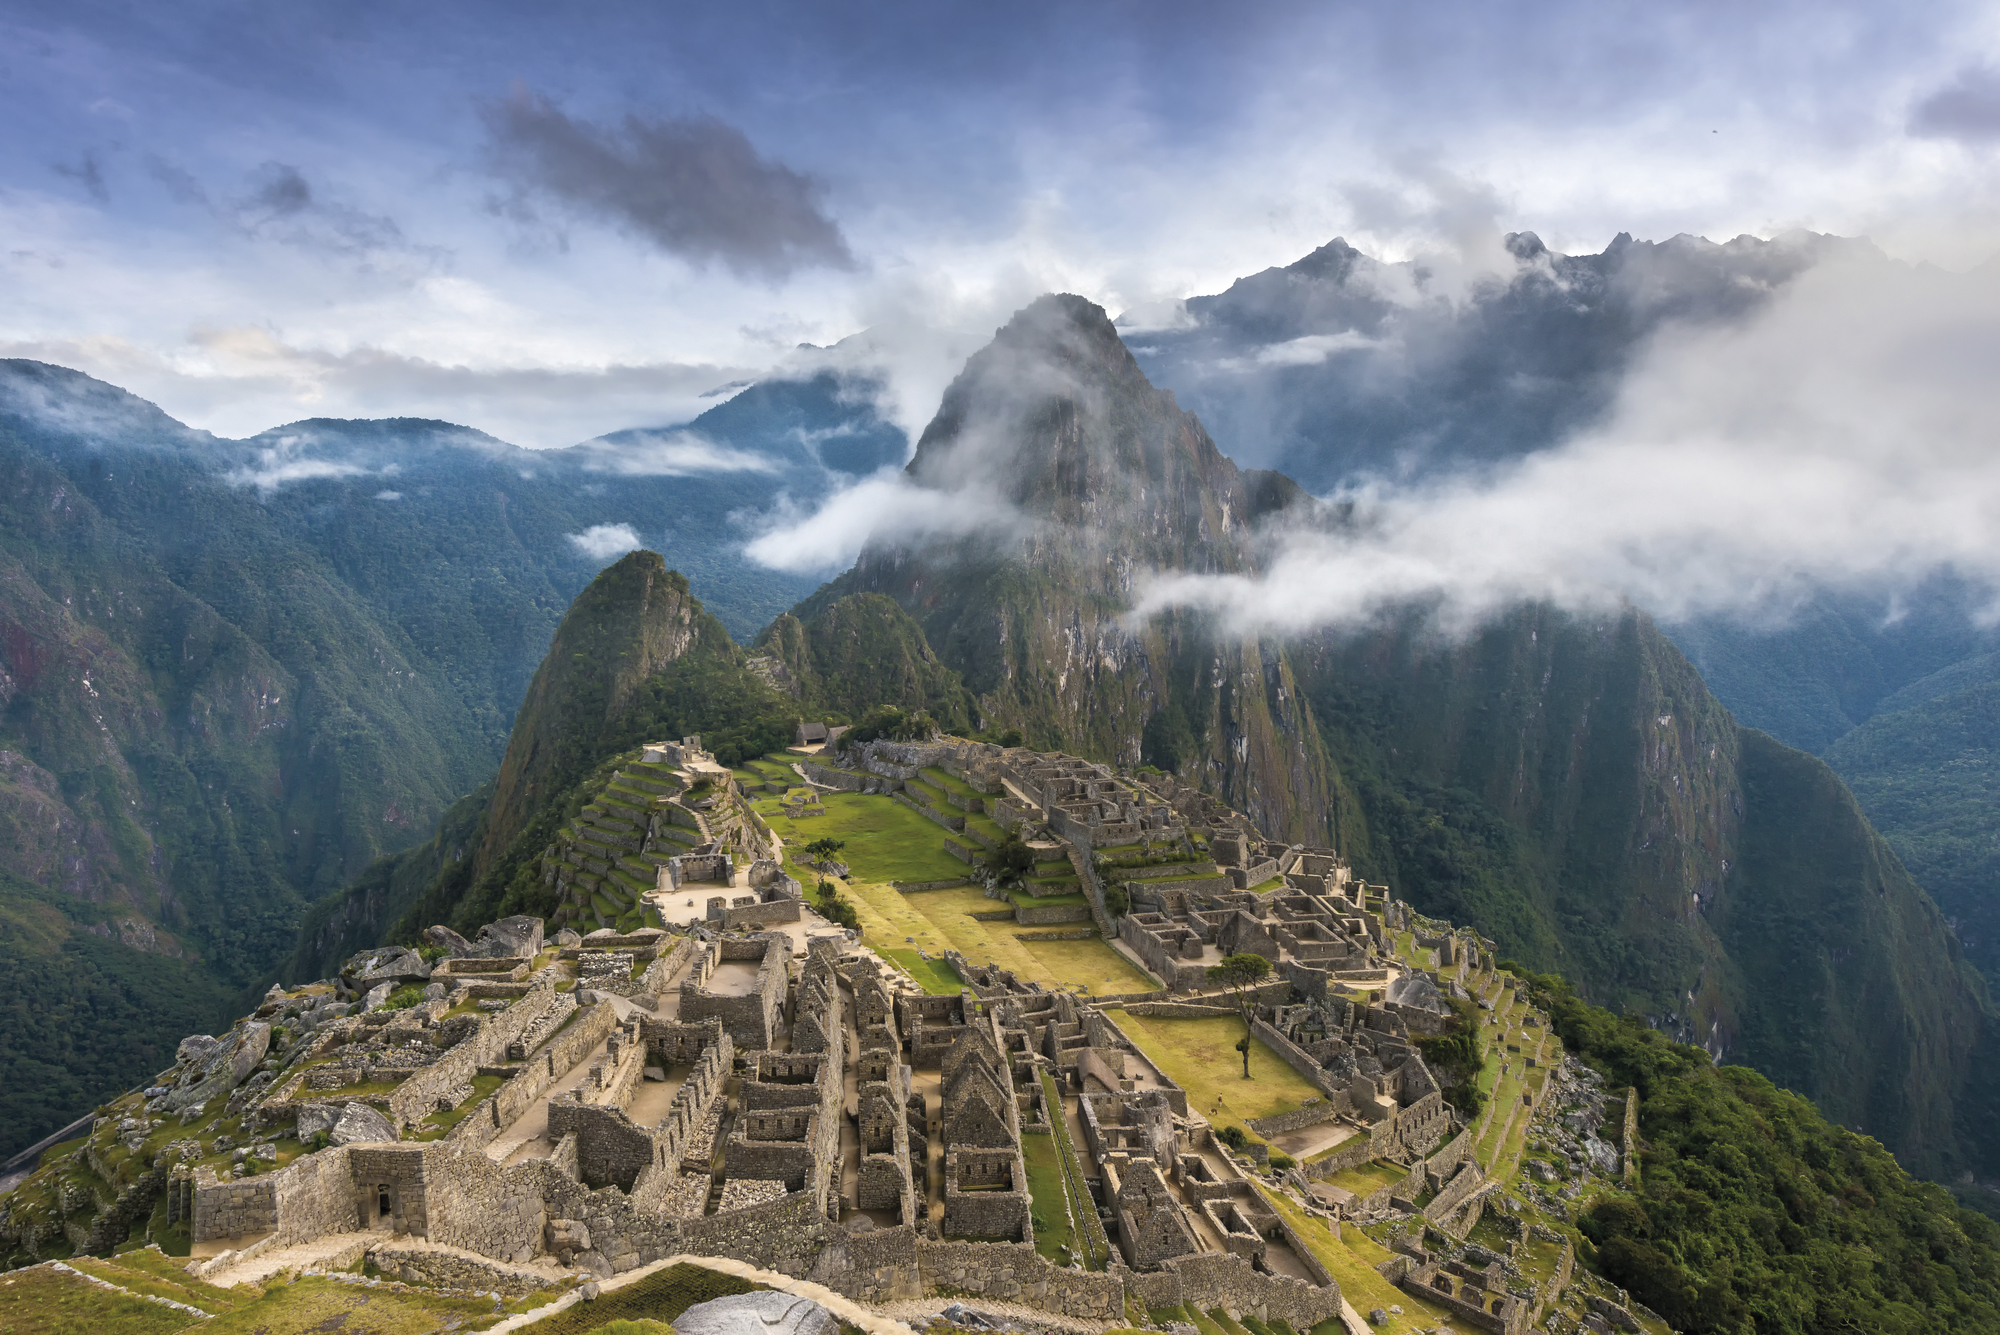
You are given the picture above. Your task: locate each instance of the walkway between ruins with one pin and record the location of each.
(528, 1136)
(319, 1253)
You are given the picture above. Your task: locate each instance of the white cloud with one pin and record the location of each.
(671, 454)
(1312, 349)
(603, 542)
(282, 463)
(888, 506)
(1844, 437)
(388, 495)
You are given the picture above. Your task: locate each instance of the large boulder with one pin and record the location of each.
(519, 937)
(212, 1067)
(763, 1313)
(1418, 992)
(315, 1118)
(360, 1123)
(454, 945)
(395, 965)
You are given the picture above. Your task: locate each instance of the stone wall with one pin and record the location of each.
(879, 1266)
(1047, 914)
(542, 1071)
(447, 1081)
(1015, 1273)
(1298, 1059)
(759, 915)
(1225, 1280)
(451, 1270)
(1312, 1114)
(1455, 1192)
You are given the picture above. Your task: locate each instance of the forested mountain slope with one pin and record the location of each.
(234, 673)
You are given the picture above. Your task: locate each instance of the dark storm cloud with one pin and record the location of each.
(1966, 108)
(694, 187)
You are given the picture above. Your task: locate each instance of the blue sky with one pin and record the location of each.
(553, 221)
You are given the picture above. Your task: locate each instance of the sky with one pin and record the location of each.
(549, 222)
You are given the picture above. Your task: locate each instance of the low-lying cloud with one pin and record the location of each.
(605, 542)
(670, 454)
(285, 461)
(1848, 436)
(693, 187)
(886, 506)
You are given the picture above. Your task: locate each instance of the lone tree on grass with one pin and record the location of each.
(822, 850)
(1241, 974)
(1009, 861)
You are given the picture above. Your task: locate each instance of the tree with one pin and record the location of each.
(1009, 861)
(822, 850)
(1241, 974)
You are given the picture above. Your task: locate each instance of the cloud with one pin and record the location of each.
(602, 542)
(693, 187)
(388, 495)
(886, 506)
(241, 380)
(282, 206)
(1312, 349)
(1841, 438)
(669, 454)
(283, 462)
(1967, 108)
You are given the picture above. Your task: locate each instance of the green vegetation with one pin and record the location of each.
(933, 975)
(661, 1296)
(863, 654)
(1047, 1196)
(1756, 1212)
(48, 1302)
(883, 840)
(1093, 1248)
(1929, 778)
(1456, 1060)
(1200, 1057)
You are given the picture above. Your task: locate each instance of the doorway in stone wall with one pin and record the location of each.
(384, 1206)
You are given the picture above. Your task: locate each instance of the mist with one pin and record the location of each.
(1846, 436)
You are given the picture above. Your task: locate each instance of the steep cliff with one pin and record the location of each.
(1088, 477)
(859, 652)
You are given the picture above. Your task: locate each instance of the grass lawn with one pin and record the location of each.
(943, 782)
(660, 1296)
(1351, 1260)
(1047, 1197)
(1022, 899)
(1200, 1056)
(1368, 1178)
(886, 841)
(314, 1303)
(940, 920)
(37, 1301)
(934, 976)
